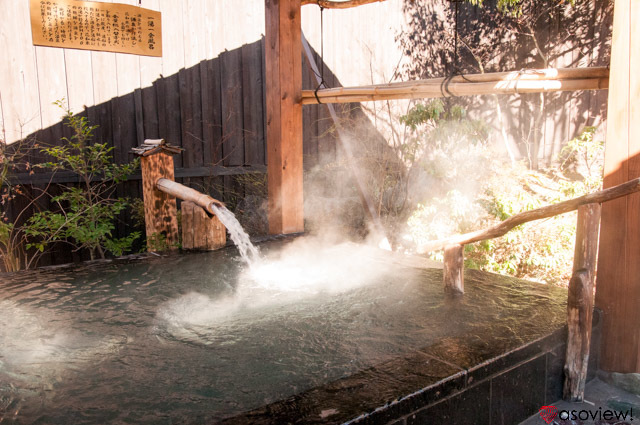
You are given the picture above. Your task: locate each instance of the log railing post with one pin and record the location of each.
(453, 272)
(580, 302)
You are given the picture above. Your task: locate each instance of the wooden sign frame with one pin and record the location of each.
(88, 25)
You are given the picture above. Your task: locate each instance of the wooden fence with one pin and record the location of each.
(214, 110)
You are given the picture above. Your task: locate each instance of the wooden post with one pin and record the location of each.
(453, 272)
(160, 211)
(580, 302)
(283, 61)
(199, 231)
(618, 288)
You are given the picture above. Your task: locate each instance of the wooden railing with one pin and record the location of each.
(581, 285)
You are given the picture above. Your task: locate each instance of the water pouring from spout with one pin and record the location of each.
(240, 238)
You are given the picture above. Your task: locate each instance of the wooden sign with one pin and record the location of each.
(110, 27)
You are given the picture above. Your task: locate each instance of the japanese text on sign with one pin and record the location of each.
(110, 27)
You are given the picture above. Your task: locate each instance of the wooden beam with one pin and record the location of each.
(453, 271)
(618, 288)
(580, 302)
(283, 73)
(328, 4)
(71, 177)
(537, 214)
(530, 81)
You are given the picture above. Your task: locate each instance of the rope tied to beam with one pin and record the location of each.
(444, 87)
(322, 82)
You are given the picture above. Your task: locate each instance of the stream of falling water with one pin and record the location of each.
(248, 251)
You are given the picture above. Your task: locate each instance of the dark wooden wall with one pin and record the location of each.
(214, 110)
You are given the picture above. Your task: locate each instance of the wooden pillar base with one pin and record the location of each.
(199, 231)
(453, 273)
(160, 211)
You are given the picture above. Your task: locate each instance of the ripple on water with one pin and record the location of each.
(183, 336)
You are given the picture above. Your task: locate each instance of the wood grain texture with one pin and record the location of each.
(252, 104)
(191, 116)
(618, 292)
(79, 80)
(580, 302)
(453, 271)
(18, 73)
(232, 107)
(160, 210)
(436, 88)
(199, 231)
(284, 116)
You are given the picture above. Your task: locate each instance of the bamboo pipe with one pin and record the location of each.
(445, 86)
(187, 194)
(529, 74)
(422, 90)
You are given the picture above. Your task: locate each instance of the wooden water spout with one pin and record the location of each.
(201, 229)
(188, 194)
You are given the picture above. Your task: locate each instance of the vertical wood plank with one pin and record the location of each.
(199, 231)
(52, 84)
(173, 47)
(326, 138)
(124, 127)
(215, 98)
(104, 76)
(3, 134)
(232, 110)
(194, 29)
(207, 103)
(18, 73)
(169, 124)
(79, 79)
(618, 294)
(168, 89)
(632, 291)
(252, 103)
(139, 116)
(309, 121)
(284, 116)
(150, 112)
(453, 271)
(150, 71)
(187, 208)
(186, 117)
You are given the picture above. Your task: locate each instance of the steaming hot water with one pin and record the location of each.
(304, 268)
(200, 337)
(247, 250)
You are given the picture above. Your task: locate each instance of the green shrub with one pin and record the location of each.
(541, 250)
(86, 214)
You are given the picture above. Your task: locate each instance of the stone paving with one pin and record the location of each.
(604, 404)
